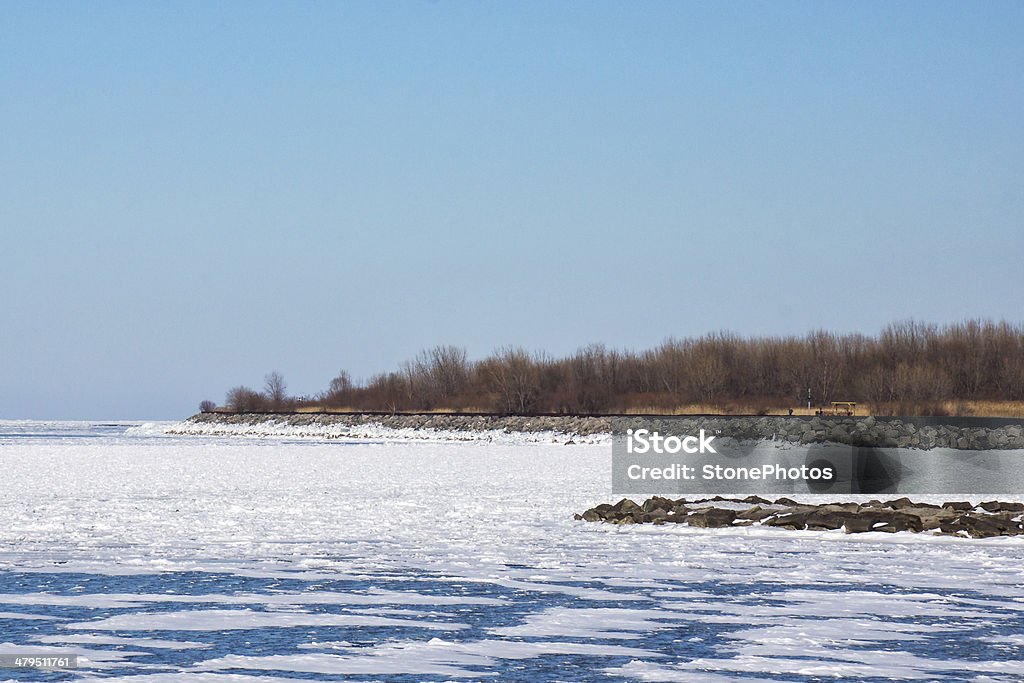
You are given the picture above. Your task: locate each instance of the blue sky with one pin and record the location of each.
(195, 194)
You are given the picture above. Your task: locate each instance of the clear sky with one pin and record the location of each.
(195, 194)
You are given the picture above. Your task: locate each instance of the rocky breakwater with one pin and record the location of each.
(877, 432)
(564, 424)
(924, 433)
(986, 520)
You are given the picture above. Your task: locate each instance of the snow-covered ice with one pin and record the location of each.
(400, 557)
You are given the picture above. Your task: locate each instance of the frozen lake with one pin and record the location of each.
(158, 558)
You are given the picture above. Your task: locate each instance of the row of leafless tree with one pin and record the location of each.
(908, 363)
(242, 399)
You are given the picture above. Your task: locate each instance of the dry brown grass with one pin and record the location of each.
(734, 409)
(353, 409)
(950, 408)
(986, 408)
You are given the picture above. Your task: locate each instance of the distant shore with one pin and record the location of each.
(886, 432)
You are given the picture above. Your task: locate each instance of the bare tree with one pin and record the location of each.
(275, 390)
(242, 399)
(340, 391)
(389, 391)
(207, 406)
(908, 366)
(707, 376)
(516, 378)
(436, 375)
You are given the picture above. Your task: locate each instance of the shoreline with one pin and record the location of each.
(925, 433)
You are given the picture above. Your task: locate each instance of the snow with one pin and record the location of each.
(225, 620)
(464, 557)
(192, 677)
(121, 600)
(95, 639)
(434, 657)
(277, 429)
(601, 623)
(20, 615)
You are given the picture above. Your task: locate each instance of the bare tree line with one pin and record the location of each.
(909, 366)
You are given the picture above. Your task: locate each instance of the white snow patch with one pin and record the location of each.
(605, 623)
(96, 639)
(194, 677)
(126, 600)
(273, 428)
(648, 671)
(224, 620)
(435, 657)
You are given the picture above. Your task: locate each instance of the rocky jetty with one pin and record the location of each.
(925, 433)
(563, 424)
(877, 432)
(986, 520)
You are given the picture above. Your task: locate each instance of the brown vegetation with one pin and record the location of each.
(910, 368)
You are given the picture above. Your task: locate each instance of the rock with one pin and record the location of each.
(996, 506)
(896, 521)
(1007, 522)
(789, 520)
(823, 519)
(857, 525)
(957, 518)
(655, 514)
(921, 512)
(923, 506)
(711, 518)
(755, 513)
(626, 505)
(931, 522)
(786, 501)
(965, 525)
(758, 500)
(840, 507)
(657, 502)
(677, 515)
